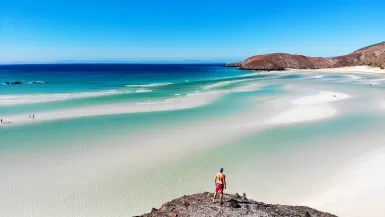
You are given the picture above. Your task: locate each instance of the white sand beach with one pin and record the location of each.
(352, 69)
(361, 183)
(310, 108)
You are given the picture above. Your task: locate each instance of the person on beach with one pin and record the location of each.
(33, 116)
(220, 182)
(1, 120)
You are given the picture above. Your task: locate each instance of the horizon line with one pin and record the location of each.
(105, 63)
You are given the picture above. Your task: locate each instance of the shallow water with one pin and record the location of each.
(124, 162)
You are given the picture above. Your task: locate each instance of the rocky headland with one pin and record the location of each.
(233, 205)
(373, 55)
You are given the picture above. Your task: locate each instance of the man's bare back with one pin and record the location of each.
(220, 178)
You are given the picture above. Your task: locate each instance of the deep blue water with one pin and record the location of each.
(59, 78)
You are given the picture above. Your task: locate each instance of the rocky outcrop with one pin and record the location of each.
(22, 82)
(238, 64)
(13, 82)
(373, 55)
(233, 205)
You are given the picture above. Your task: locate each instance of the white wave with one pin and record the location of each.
(380, 79)
(373, 81)
(264, 73)
(143, 91)
(149, 85)
(354, 77)
(257, 73)
(40, 98)
(35, 82)
(319, 76)
(177, 94)
(250, 74)
(223, 83)
(248, 88)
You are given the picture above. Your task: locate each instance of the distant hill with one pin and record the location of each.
(373, 55)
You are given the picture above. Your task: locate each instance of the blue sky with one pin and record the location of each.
(156, 30)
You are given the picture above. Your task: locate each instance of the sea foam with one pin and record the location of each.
(143, 91)
(149, 85)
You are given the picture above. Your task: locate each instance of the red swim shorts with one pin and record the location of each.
(219, 188)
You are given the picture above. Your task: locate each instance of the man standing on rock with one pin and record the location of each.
(220, 182)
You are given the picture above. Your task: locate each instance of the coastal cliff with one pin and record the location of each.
(373, 55)
(233, 205)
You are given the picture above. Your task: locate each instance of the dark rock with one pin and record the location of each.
(164, 207)
(21, 82)
(234, 204)
(236, 195)
(238, 64)
(13, 82)
(202, 205)
(185, 204)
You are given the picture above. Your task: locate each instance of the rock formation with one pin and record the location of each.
(233, 205)
(13, 82)
(238, 64)
(22, 82)
(373, 55)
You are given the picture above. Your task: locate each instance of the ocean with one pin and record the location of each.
(119, 139)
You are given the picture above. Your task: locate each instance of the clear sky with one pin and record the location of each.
(155, 30)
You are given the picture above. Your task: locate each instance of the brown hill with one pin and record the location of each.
(233, 205)
(373, 55)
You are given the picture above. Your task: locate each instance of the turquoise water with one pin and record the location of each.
(144, 134)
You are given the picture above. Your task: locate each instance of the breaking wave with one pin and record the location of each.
(149, 85)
